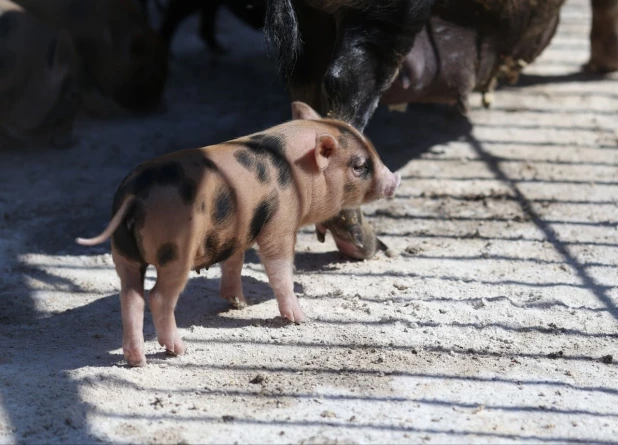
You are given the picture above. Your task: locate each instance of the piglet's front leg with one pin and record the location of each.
(231, 284)
(278, 258)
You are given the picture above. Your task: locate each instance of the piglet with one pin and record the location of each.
(191, 209)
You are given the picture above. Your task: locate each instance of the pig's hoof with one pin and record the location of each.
(173, 346)
(601, 66)
(294, 315)
(135, 360)
(237, 302)
(488, 99)
(137, 364)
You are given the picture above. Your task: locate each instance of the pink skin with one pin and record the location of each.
(132, 309)
(388, 183)
(278, 258)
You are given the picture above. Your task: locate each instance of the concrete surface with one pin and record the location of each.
(492, 323)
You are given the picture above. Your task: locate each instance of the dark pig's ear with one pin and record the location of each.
(324, 148)
(301, 110)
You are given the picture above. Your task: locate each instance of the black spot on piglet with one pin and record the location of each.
(168, 174)
(209, 164)
(187, 191)
(211, 243)
(167, 253)
(216, 253)
(245, 159)
(225, 205)
(262, 215)
(257, 166)
(273, 147)
(126, 238)
(262, 172)
(226, 250)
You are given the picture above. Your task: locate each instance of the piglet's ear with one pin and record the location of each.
(301, 110)
(324, 148)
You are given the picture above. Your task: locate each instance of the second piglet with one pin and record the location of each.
(191, 209)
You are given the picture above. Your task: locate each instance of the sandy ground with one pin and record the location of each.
(493, 321)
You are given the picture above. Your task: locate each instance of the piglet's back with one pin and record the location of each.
(209, 202)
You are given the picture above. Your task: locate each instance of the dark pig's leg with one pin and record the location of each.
(208, 31)
(604, 37)
(175, 13)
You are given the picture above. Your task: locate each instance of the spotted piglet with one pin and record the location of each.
(191, 209)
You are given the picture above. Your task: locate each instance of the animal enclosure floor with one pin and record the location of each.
(495, 318)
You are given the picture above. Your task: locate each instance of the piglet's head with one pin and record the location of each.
(350, 163)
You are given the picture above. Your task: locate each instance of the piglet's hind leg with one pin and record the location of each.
(132, 308)
(163, 297)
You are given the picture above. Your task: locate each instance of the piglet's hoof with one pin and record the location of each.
(237, 302)
(135, 360)
(295, 315)
(173, 345)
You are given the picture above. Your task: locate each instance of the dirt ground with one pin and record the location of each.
(494, 320)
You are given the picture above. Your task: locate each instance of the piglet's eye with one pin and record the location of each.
(359, 169)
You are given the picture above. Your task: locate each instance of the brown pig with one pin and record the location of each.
(469, 45)
(121, 56)
(39, 95)
(604, 37)
(191, 209)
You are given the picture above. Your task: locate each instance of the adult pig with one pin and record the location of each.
(340, 56)
(194, 208)
(469, 45)
(39, 95)
(604, 37)
(121, 56)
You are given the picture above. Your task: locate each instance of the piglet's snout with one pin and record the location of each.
(390, 184)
